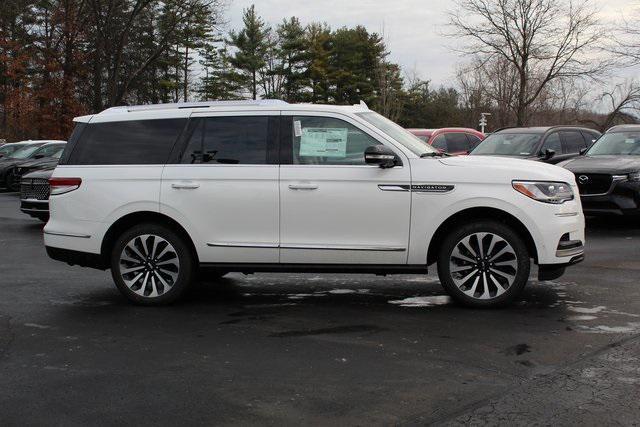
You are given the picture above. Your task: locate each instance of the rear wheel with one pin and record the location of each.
(152, 265)
(484, 264)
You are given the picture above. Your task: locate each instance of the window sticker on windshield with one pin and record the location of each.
(324, 142)
(629, 141)
(297, 128)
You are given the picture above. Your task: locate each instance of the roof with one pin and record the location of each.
(539, 129)
(184, 109)
(624, 128)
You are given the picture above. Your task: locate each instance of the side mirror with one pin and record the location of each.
(547, 153)
(380, 155)
(583, 151)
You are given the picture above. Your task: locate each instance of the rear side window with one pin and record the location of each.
(239, 140)
(137, 142)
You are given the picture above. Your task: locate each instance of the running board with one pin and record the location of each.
(380, 269)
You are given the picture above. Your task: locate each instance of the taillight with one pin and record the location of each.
(63, 185)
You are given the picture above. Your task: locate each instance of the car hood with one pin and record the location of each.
(43, 174)
(9, 163)
(603, 164)
(42, 162)
(501, 169)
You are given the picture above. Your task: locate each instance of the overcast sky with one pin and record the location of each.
(412, 28)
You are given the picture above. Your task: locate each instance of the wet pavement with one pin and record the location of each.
(317, 349)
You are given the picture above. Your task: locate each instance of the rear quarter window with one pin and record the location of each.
(136, 142)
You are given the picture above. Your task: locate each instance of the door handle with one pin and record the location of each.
(303, 186)
(185, 185)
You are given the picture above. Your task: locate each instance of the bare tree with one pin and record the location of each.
(543, 40)
(626, 42)
(622, 104)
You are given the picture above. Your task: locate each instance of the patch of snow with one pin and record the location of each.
(585, 310)
(341, 291)
(579, 318)
(422, 301)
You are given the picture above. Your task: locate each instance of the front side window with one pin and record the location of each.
(328, 141)
(473, 140)
(135, 142)
(572, 142)
(440, 143)
(553, 143)
(457, 142)
(622, 143)
(228, 140)
(508, 144)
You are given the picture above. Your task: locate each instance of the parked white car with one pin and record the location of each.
(156, 193)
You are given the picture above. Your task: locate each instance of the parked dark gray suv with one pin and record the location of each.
(547, 144)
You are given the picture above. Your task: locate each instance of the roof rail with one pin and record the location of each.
(204, 104)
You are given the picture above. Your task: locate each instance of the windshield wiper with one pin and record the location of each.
(434, 154)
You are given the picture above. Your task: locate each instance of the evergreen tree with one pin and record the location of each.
(319, 41)
(220, 81)
(251, 45)
(294, 59)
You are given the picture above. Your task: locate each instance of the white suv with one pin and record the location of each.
(160, 193)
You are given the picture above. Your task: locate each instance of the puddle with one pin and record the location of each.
(430, 301)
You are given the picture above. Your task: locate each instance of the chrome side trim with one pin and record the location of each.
(80, 236)
(567, 214)
(418, 188)
(307, 246)
(342, 247)
(242, 245)
(391, 187)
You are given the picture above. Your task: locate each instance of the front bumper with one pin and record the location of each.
(35, 208)
(622, 198)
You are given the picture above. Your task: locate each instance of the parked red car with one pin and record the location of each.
(457, 141)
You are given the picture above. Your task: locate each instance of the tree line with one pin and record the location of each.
(64, 58)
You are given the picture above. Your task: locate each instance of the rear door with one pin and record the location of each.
(223, 186)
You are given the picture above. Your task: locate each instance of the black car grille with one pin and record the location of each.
(36, 188)
(593, 183)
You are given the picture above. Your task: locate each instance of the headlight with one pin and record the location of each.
(547, 192)
(634, 176)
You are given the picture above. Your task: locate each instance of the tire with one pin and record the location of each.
(156, 274)
(504, 259)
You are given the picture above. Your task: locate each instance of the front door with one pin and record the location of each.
(224, 187)
(335, 209)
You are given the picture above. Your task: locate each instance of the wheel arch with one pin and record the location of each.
(140, 217)
(475, 214)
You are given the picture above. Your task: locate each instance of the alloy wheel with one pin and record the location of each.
(483, 265)
(149, 265)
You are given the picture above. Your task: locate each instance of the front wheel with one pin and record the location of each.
(152, 265)
(484, 264)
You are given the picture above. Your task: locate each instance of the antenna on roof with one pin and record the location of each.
(363, 104)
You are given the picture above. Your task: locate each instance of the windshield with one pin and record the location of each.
(48, 150)
(9, 148)
(398, 133)
(508, 144)
(620, 144)
(24, 153)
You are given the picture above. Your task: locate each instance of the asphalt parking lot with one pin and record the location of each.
(317, 349)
